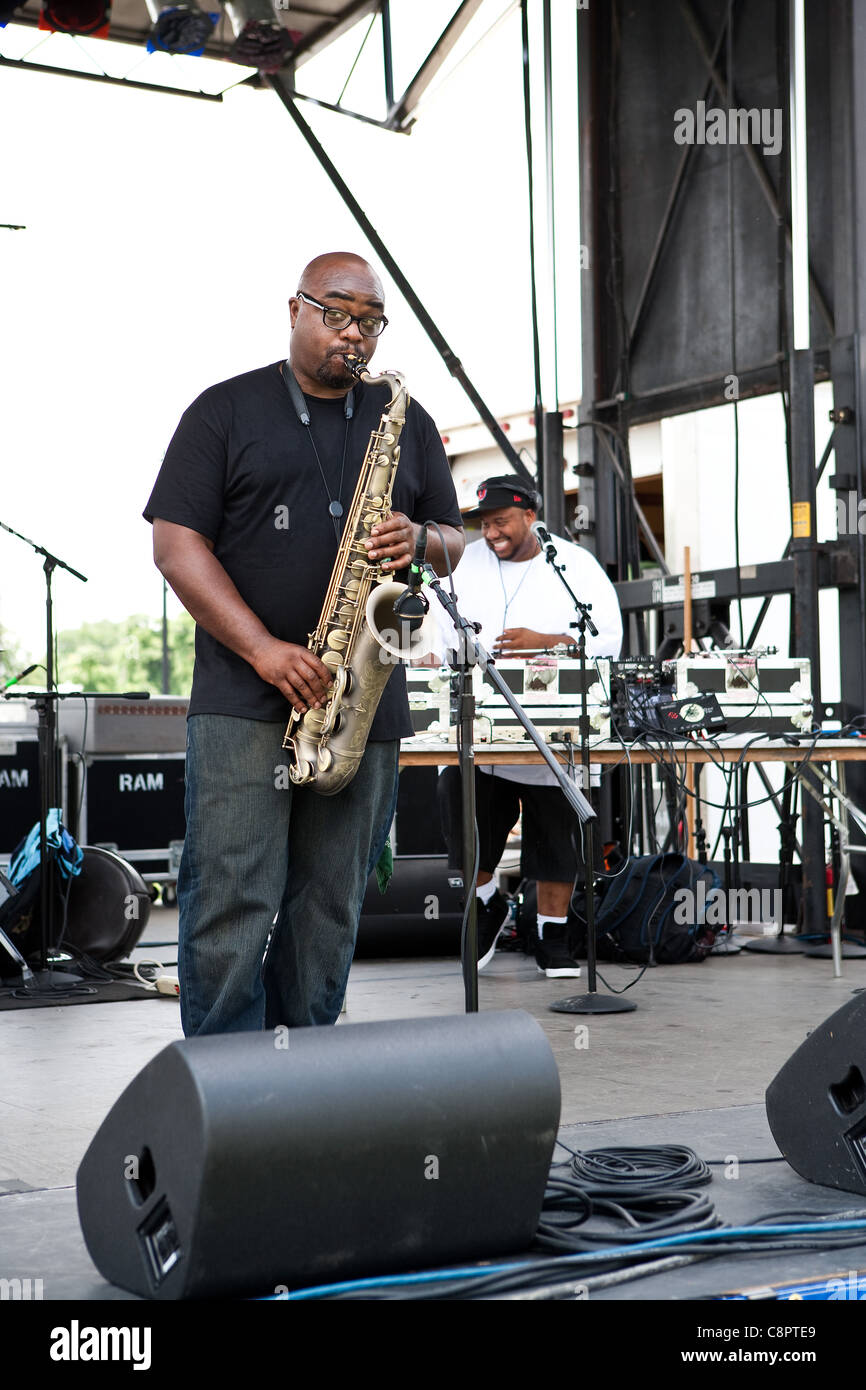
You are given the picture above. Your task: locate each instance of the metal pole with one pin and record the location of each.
(166, 668)
(449, 357)
(799, 179)
(802, 385)
(552, 389)
(387, 55)
(805, 600)
(468, 813)
(551, 481)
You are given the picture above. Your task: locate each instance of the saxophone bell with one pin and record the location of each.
(401, 635)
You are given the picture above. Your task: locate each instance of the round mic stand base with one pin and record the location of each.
(775, 945)
(851, 950)
(41, 981)
(727, 946)
(593, 1004)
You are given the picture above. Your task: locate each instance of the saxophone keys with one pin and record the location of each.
(314, 720)
(325, 759)
(333, 660)
(337, 639)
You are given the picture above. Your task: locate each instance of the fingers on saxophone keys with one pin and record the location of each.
(302, 696)
(379, 555)
(313, 684)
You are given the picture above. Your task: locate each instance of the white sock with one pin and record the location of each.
(486, 891)
(542, 922)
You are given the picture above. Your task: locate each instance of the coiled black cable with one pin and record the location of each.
(646, 1191)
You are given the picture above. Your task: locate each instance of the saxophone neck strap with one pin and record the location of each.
(302, 410)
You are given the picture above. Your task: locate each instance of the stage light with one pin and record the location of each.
(89, 17)
(179, 28)
(261, 40)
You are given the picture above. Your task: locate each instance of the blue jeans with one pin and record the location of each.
(257, 850)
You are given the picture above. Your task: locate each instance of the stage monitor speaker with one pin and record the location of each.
(244, 1162)
(416, 826)
(816, 1105)
(420, 913)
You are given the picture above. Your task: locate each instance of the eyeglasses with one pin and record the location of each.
(340, 318)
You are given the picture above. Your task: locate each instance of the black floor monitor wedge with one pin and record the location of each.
(816, 1106)
(243, 1164)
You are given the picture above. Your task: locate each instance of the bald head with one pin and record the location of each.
(336, 268)
(337, 280)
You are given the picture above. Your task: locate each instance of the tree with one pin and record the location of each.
(126, 655)
(12, 658)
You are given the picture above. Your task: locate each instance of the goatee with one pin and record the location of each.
(334, 372)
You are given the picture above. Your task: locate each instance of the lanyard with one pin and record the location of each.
(335, 505)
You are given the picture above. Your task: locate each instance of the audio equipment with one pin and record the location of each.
(757, 691)
(548, 687)
(421, 911)
(816, 1105)
(101, 912)
(246, 1162)
(681, 718)
(429, 692)
(114, 724)
(19, 783)
(543, 536)
(417, 829)
(108, 907)
(135, 803)
(135, 807)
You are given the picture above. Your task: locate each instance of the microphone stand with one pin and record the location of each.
(591, 1002)
(472, 653)
(45, 704)
(47, 736)
(12, 950)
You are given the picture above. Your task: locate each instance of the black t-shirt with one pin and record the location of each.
(241, 470)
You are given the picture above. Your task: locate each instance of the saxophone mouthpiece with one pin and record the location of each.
(357, 365)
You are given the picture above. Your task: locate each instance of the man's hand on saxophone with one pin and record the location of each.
(393, 542)
(295, 671)
(187, 561)
(396, 537)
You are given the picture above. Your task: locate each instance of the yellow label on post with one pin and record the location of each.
(801, 520)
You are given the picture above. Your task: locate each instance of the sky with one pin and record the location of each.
(165, 235)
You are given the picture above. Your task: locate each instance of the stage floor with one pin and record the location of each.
(40, 1236)
(689, 1066)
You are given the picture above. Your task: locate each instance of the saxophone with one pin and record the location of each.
(359, 637)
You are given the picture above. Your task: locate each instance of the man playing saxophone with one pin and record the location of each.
(248, 511)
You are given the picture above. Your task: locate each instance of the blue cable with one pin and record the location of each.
(474, 1272)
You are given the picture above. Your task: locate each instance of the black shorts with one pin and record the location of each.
(551, 842)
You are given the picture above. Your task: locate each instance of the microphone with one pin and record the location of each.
(543, 536)
(412, 605)
(415, 575)
(20, 676)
